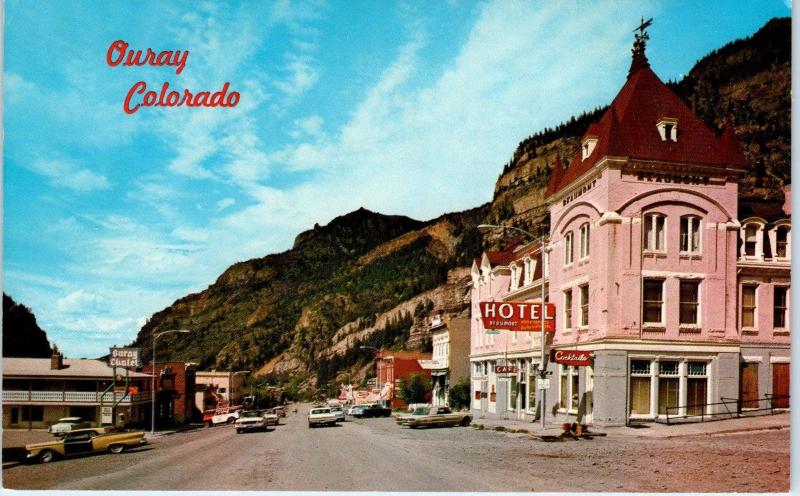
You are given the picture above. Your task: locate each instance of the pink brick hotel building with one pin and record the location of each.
(680, 296)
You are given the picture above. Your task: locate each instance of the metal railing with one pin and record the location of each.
(741, 408)
(73, 397)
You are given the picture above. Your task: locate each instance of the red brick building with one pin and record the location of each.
(393, 366)
(175, 386)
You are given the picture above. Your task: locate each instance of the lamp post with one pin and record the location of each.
(153, 379)
(377, 367)
(542, 370)
(230, 386)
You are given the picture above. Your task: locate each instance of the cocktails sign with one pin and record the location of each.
(571, 357)
(521, 316)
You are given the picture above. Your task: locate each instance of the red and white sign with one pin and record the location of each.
(505, 369)
(521, 316)
(571, 357)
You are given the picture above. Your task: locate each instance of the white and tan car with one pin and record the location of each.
(436, 416)
(321, 416)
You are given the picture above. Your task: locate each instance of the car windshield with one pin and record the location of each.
(336, 409)
(321, 410)
(69, 420)
(250, 413)
(422, 411)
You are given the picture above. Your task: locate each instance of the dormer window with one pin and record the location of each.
(780, 239)
(588, 147)
(668, 129)
(530, 266)
(752, 239)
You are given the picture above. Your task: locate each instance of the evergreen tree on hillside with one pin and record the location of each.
(22, 336)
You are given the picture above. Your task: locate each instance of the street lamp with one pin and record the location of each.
(153, 379)
(230, 386)
(484, 228)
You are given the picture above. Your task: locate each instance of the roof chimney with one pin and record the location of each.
(56, 360)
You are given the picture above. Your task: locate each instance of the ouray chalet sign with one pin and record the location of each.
(522, 316)
(125, 357)
(571, 357)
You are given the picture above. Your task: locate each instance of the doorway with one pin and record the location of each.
(748, 393)
(780, 385)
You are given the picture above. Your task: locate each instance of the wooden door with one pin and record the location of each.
(749, 385)
(780, 385)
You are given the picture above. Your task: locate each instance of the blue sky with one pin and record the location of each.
(400, 107)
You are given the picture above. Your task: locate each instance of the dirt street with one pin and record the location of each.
(377, 455)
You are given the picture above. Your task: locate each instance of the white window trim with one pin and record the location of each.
(571, 371)
(691, 219)
(759, 253)
(754, 327)
(650, 243)
(698, 318)
(571, 305)
(569, 248)
(786, 314)
(683, 389)
(662, 322)
(581, 325)
(585, 247)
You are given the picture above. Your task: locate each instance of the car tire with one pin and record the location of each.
(238, 431)
(465, 422)
(230, 420)
(116, 448)
(47, 456)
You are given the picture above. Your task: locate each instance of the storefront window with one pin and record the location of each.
(640, 387)
(668, 384)
(696, 388)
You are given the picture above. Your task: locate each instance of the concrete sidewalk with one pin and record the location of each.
(650, 430)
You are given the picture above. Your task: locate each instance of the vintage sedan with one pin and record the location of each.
(68, 424)
(437, 416)
(84, 441)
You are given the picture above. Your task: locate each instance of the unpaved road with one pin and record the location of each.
(377, 455)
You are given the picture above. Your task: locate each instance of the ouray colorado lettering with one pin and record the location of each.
(119, 54)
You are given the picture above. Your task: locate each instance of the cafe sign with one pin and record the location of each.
(571, 357)
(520, 316)
(505, 369)
(129, 358)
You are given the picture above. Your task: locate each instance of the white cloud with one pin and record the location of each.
(225, 203)
(80, 302)
(68, 174)
(189, 234)
(301, 75)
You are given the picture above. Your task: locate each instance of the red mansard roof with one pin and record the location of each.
(628, 129)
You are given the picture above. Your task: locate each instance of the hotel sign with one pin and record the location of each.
(129, 358)
(520, 316)
(571, 357)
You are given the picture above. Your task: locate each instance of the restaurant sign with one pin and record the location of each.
(505, 369)
(129, 358)
(521, 316)
(571, 357)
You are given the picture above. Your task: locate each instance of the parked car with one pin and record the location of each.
(354, 408)
(437, 416)
(251, 420)
(68, 424)
(224, 415)
(270, 417)
(373, 411)
(339, 412)
(321, 416)
(83, 441)
(280, 411)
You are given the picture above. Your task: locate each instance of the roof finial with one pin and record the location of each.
(639, 58)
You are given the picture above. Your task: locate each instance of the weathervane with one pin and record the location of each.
(639, 58)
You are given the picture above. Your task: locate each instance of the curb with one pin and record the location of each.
(727, 431)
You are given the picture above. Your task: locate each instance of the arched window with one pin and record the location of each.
(752, 237)
(690, 234)
(654, 232)
(584, 241)
(514, 276)
(568, 248)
